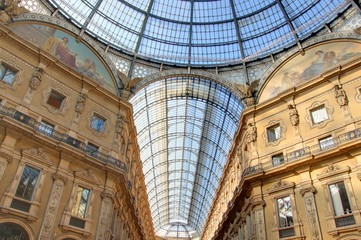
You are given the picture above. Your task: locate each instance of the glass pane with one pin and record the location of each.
(81, 202)
(319, 114)
(27, 183)
(97, 123)
(12, 231)
(285, 217)
(7, 75)
(341, 204)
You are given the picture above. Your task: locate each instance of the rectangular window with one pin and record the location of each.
(340, 202)
(319, 114)
(81, 202)
(55, 99)
(278, 159)
(27, 184)
(98, 123)
(46, 128)
(284, 207)
(326, 143)
(274, 133)
(7, 74)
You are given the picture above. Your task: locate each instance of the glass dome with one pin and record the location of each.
(200, 32)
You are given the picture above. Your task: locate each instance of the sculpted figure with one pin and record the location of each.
(251, 134)
(248, 91)
(80, 103)
(36, 78)
(340, 95)
(293, 113)
(120, 133)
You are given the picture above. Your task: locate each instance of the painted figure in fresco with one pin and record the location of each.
(340, 95)
(63, 53)
(315, 68)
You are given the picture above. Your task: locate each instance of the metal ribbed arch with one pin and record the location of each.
(184, 144)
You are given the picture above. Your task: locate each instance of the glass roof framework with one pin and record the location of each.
(199, 32)
(185, 127)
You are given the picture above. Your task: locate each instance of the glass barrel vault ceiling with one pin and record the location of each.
(185, 128)
(200, 32)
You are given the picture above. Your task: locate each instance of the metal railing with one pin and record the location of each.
(306, 151)
(61, 137)
(344, 220)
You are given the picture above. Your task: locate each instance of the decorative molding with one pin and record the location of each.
(87, 175)
(310, 189)
(7, 156)
(52, 209)
(283, 131)
(64, 104)
(358, 94)
(101, 114)
(18, 79)
(332, 170)
(322, 124)
(281, 185)
(61, 177)
(37, 154)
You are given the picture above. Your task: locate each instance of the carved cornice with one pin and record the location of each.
(311, 189)
(7, 156)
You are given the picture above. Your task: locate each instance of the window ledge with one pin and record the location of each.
(29, 217)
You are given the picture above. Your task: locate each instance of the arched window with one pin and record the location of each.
(12, 231)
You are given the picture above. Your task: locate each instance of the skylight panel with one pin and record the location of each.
(172, 10)
(212, 11)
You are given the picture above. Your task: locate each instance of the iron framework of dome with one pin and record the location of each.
(185, 127)
(200, 32)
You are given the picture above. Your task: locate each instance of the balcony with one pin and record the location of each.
(326, 144)
(61, 137)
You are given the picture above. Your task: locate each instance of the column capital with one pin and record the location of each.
(311, 189)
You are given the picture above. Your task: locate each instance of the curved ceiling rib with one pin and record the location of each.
(185, 129)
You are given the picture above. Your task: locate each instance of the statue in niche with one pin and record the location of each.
(293, 113)
(129, 153)
(80, 103)
(120, 133)
(340, 95)
(36, 78)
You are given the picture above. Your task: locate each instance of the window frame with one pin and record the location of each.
(8, 68)
(61, 103)
(319, 108)
(34, 187)
(76, 207)
(98, 117)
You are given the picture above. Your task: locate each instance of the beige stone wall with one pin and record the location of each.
(117, 203)
(250, 212)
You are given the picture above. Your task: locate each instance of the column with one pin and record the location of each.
(105, 216)
(52, 208)
(312, 216)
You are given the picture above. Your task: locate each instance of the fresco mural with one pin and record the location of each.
(63, 46)
(316, 60)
